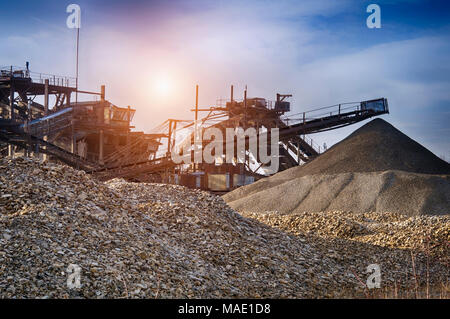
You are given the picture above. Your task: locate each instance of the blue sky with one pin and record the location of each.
(320, 51)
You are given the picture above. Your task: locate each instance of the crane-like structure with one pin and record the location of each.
(96, 135)
(295, 145)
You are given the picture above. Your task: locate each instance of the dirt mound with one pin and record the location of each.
(376, 146)
(376, 168)
(390, 191)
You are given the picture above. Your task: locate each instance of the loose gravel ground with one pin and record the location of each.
(138, 240)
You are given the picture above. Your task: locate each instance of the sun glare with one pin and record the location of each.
(162, 85)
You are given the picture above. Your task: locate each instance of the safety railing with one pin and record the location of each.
(268, 104)
(311, 143)
(19, 72)
(321, 112)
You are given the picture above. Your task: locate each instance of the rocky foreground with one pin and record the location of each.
(162, 241)
(398, 242)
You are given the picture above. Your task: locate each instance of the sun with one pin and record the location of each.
(162, 85)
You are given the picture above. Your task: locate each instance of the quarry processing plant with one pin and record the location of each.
(87, 135)
(96, 135)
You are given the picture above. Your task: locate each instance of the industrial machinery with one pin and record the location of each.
(295, 146)
(96, 135)
(87, 135)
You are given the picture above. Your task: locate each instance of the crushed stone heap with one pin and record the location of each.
(376, 146)
(142, 240)
(376, 168)
(430, 234)
(162, 241)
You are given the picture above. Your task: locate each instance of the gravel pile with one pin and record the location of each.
(376, 168)
(164, 241)
(144, 240)
(428, 234)
(408, 249)
(390, 191)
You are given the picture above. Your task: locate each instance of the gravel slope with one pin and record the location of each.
(161, 241)
(376, 168)
(390, 191)
(144, 240)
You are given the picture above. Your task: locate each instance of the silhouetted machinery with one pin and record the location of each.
(282, 106)
(279, 107)
(96, 135)
(88, 135)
